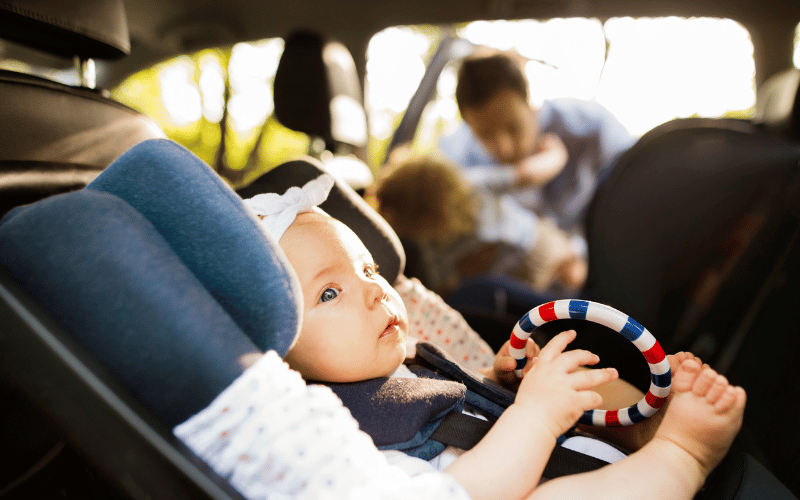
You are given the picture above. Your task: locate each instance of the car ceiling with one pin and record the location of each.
(166, 28)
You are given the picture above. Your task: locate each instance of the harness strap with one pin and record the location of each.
(465, 431)
(563, 462)
(461, 430)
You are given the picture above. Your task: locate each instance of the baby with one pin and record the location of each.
(463, 230)
(355, 326)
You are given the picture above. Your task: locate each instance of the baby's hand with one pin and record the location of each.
(555, 392)
(572, 272)
(502, 371)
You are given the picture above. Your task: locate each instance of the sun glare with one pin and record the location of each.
(395, 66)
(646, 71)
(179, 93)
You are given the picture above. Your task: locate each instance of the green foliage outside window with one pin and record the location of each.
(194, 99)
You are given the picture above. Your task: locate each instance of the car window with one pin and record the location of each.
(218, 103)
(796, 56)
(645, 71)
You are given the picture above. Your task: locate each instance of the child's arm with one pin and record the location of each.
(509, 460)
(554, 257)
(270, 432)
(544, 164)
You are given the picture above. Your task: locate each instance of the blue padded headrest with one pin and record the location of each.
(212, 232)
(159, 271)
(106, 274)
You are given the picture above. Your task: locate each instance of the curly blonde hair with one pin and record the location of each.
(426, 199)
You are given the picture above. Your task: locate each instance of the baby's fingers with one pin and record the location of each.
(557, 345)
(505, 363)
(571, 360)
(588, 400)
(588, 379)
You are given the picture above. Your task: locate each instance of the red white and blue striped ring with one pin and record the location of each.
(661, 377)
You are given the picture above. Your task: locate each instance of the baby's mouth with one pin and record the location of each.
(392, 328)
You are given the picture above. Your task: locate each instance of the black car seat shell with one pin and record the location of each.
(696, 233)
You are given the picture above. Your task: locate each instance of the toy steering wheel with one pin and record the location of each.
(661, 377)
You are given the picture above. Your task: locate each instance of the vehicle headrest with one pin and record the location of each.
(209, 228)
(344, 204)
(317, 91)
(96, 29)
(778, 103)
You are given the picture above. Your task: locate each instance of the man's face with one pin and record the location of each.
(506, 125)
(354, 323)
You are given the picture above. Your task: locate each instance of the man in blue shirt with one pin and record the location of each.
(549, 158)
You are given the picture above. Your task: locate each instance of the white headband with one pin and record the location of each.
(280, 210)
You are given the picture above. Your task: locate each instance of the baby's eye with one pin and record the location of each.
(329, 294)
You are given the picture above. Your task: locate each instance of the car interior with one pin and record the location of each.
(705, 209)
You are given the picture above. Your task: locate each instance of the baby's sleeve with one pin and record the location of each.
(272, 436)
(432, 320)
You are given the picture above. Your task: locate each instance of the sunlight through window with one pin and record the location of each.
(796, 57)
(660, 69)
(645, 71)
(179, 93)
(396, 59)
(252, 70)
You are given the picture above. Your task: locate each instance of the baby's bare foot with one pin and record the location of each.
(647, 429)
(704, 415)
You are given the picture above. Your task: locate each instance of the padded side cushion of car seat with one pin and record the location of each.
(106, 274)
(208, 226)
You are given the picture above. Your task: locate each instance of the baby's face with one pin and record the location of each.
(354, 323)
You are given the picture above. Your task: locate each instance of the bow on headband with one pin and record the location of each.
(280, 210)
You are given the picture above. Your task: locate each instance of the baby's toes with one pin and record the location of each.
(704, 382)
(685, 376)
(717, 389)
(682, 356)
(731, 397)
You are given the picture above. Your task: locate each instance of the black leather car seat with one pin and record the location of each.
(56, 137)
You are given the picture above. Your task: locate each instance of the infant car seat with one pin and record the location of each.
(124, 313)
(55, 138)
(129, 304)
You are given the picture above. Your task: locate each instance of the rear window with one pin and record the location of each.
(645, 71)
